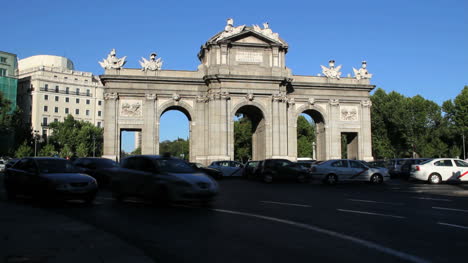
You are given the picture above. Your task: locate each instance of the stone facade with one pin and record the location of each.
(49, 89)
(242, 70)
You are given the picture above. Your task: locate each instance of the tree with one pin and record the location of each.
(66, 152)
(178, 148)
(24, 150)
(137, 151)
(456, 114)
(48, 150)
(82, 150)
(305, 137)
(243, 138)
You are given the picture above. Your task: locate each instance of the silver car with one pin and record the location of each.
(161, 179)
(333, 171)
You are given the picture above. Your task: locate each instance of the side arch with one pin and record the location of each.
(250, 103)
(181, 106)
(305, 108)
(320, 118)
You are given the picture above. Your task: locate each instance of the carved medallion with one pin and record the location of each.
(349, 113)
(130, 108)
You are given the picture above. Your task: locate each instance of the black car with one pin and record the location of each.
(271, 170)
(97, 168)
(406, 167)
(250, 169)
(209, 171)
(49, 178)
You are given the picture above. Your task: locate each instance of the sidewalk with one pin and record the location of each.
(32, 235)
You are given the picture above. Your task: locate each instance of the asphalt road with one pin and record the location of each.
(255, 222)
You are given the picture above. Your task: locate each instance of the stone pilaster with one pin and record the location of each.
(365, 140)
(148, 142)
(334, 152)
(111, 131)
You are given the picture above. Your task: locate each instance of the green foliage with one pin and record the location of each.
(243, 138)
(48, 150)
(24, 150)
(305, 137)
(137, 151)
(403, 127)
(178, 148)
(72, 137)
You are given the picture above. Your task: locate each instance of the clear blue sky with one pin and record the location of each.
(412, 46)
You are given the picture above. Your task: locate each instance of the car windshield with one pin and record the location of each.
(105, 163)
(426, 161)
(56, 166)
(174, 166)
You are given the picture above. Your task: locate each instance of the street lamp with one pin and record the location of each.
(36, 135)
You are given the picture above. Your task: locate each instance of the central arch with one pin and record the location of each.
(186, 110)
(318, 118)
(253, 114)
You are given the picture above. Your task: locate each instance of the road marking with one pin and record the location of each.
(365, 243)
(452, 225)
(450, 209)
(368, 213)
(377, 202)
(280, 203)
(435, 199)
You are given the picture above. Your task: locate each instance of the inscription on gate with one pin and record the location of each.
(249, 57)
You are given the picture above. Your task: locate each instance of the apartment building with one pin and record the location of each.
(49, 89)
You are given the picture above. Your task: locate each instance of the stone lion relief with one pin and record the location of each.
(130, 108)
(349, 113)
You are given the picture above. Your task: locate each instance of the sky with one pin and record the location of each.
(413, 47)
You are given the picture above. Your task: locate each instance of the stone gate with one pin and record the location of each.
(243, 70)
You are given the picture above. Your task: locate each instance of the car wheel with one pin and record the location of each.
(435, 178)
(268, 178)
(331, 179)
(376, 179)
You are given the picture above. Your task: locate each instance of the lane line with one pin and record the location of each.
(435, 199)
(450, 209)
(452, 225)
(369, 213)
(362, 242)
(280, 203)
(371, 201)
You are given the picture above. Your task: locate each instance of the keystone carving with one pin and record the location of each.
(250, 96)
(334, 102)
(176, 97)
(311, 101)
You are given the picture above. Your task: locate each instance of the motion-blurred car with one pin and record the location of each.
(228, 168)
(271, 170)
(250, 168)
(333, 171)
(216, 174)
(405, 169)
(2, 166)
(440, 170)
(161, 179)
(49, 178)
(394, 166)
(98, 168)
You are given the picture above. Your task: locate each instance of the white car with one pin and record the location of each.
(333, 171)
(440, 170)
(2, 166)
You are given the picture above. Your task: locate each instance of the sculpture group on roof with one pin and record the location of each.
(112, 62)
(333, 72)
(230, 30)
(152, 64)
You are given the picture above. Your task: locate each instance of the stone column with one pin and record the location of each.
(333, 132)
(365, 135)
(283, 127)
(111, 132)
(275, 124)
(149, 130)
(292, 130)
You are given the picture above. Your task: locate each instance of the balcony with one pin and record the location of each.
(68, 93)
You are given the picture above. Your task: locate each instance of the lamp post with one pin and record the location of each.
(36, 134)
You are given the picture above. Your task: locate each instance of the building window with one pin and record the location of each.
(67, 90)
(56, 109)
(87, 101)
(46, 97)
(57, 89)
(77, 91)
(99, 124)
(56, 98)
(99, 113)
(76, 79)
(67, 99)
(99, 103)
(77, 111)
(3, 59)
(55, 76)
(44, 121)
(66, 111)
(78, 101)
(3, 72)
(87, 112)
(46, 87)
(55, 120)
(46, 108)
(87, 92)
(66, 78)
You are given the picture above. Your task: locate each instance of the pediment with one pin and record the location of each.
(249, 35)
(251, 39)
